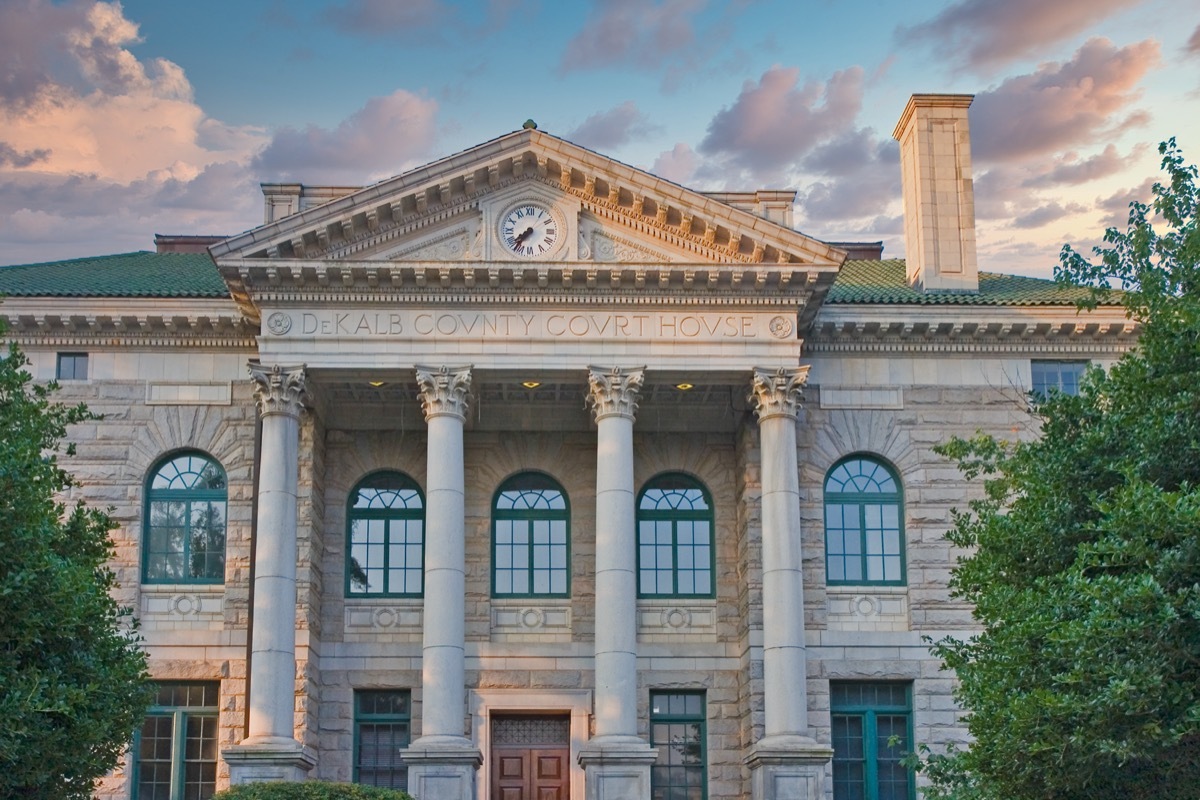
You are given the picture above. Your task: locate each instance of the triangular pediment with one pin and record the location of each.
(452, 211)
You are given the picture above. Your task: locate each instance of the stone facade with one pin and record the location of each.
(672, 332)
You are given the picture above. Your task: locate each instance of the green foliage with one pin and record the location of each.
(73, 682)
(1085, 573)
(309, 790)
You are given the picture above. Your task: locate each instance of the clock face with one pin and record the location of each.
(529, 231)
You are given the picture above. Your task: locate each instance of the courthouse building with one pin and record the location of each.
(528, 474)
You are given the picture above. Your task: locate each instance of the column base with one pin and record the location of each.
(442, 767)
(268, 760)
(617, 768)
(787, 768)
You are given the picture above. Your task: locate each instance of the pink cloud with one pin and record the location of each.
(1070, 170)
(677, 164)
(1063, 105)
(606, 130)
(1047, 213)
(380, 139)
(644, 32)
(1116, 206)
(988, 33)
(776, 122)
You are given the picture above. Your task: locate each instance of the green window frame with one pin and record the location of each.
(1056, 376)
(71, 367)
(864, 524)
(865, 717)
(185, 520)
(385, 537)
(382, 728)
(175, 751)
(675, 538)
(679, 729)
(531, 538)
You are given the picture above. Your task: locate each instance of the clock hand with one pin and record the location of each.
(523, 236)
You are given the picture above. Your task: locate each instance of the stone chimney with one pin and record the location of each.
(939, 198)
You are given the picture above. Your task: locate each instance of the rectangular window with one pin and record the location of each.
(382, 728)
(72, 367)
(176, 749)
(1063, 376)
(872, 731)
(677, 729)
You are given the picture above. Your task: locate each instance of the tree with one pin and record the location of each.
(73, 680)
(1085, 564)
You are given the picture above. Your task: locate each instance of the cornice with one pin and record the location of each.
(506, 283)
(186, 322)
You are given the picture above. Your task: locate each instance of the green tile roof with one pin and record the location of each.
(141, 274)
(146, 274)
(883, 283)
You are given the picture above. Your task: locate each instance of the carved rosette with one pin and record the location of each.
(614, 392)
(777, 393)
(279, 389)
(444, 391)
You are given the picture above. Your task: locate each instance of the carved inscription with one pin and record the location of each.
(409, 324)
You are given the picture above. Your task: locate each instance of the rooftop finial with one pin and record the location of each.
(530, 125)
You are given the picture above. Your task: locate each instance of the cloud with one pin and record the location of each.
(101, 149)
(863, 177)
(1116, 205)
(1045, 214)
(1193, 44)
(1063, 105)
(378, 140)
(776, 122)
(606, 130)
(1070, 170)
(677, 164)
(988, 33)
(11, 157)
(411, 20)
(642, 32)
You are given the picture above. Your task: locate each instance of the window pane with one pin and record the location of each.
(382, 730)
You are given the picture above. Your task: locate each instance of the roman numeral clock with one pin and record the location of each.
(530, 230)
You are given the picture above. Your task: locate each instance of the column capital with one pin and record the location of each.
(444, 391)
(279, 389)
(777, 393)
(614, 392)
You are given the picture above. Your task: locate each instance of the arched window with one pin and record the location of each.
(185, 521)
(675, 538)
(385, 537)
(864, 535)
(530, 538)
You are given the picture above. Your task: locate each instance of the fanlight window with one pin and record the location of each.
(675, 538)
(386, 537)
(185, 521)
(864, 533)
(530, 538)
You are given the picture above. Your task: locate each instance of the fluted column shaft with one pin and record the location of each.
(776, 396)
(613, 397)
(279, 392)
(444, 395)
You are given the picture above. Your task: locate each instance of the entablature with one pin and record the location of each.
(127, 322)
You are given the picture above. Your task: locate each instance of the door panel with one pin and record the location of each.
(530, 773)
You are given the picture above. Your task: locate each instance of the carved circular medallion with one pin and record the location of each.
(676, 618)
(185, 604)
(866, 606)
(279, 323)
(780, 327)
(385, 618)
(532, 618)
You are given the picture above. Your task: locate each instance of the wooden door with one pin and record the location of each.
(530, 758)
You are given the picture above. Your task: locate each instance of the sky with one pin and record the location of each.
(119, 120)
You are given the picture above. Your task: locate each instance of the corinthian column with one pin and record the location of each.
(442, 762)
(786, 762)
(270, 750)
(616, 762)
